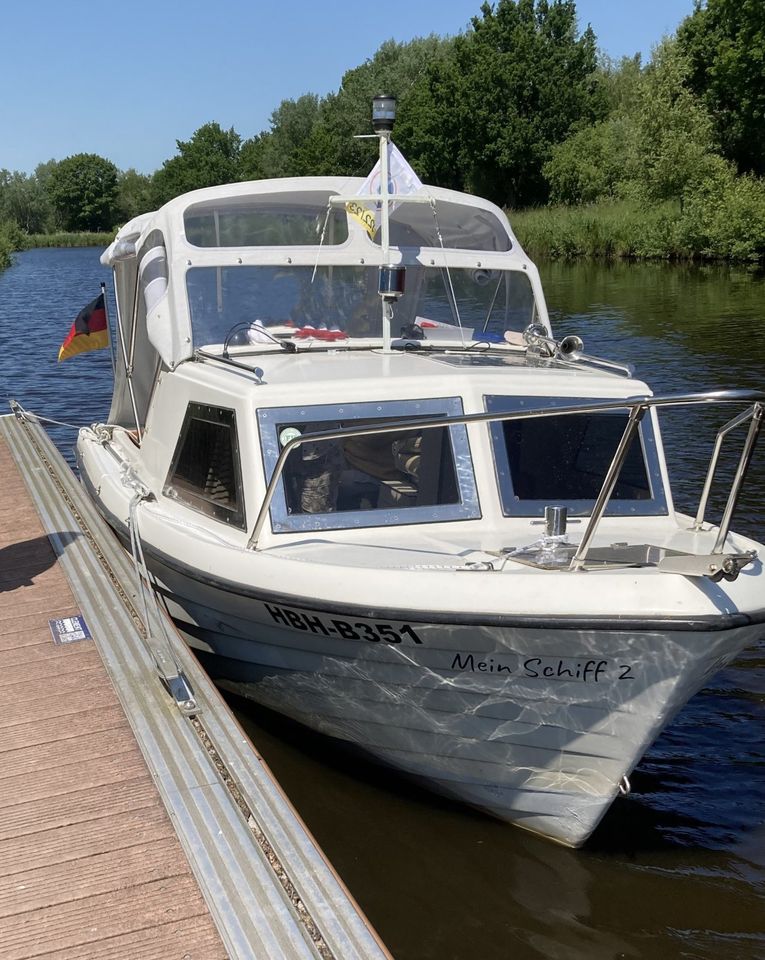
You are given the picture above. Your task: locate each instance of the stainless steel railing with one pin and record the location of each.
(637, 407)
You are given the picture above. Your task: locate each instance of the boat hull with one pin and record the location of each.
(537, 726)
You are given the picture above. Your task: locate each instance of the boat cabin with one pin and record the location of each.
(250, 316)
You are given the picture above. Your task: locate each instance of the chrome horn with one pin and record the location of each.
(541, 346)
(570, 346)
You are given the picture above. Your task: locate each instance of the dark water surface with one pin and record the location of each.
(677, 869)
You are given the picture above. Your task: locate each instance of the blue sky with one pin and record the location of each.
(126, 80)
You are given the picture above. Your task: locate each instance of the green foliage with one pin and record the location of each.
(672, 129)
(610, 230)
(525, 80)
(209, 158)
(287, 151)
(24, 201)
(724, 216)
(506, 92)
(658, 152)
(62, 239)
(724, 41)
(396, 68)
(134, 194)
(723, 219)
(9, 243)
(657, 143)
(428, 127)
(591, 164)
(83, 192)
(620, 83)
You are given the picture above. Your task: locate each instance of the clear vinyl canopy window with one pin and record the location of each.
(345, 298)
(302, 219)
(444, 224)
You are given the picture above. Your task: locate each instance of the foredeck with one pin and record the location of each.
(128, 829)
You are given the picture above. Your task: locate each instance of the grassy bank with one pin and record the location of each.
(32, 240)
(13, 239)
(628, 230)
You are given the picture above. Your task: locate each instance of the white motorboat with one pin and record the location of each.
(402, 512)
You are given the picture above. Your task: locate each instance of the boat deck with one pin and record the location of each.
(129, 828)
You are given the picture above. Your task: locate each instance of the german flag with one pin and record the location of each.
(89, 331)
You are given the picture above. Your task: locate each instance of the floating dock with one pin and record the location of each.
(136, 819)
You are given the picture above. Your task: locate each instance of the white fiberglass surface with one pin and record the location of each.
(485, 303)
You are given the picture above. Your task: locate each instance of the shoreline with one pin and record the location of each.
(627, 231)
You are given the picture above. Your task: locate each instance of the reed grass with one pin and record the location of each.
(608, 231)
(627, 230)
(33, 240)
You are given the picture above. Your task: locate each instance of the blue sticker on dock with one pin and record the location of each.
(69, 629)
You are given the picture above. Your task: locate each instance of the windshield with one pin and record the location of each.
(564, 460)
(345, 299)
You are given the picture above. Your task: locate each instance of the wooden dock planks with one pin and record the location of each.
(90, 866)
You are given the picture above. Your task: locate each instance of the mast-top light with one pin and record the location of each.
(383, 113)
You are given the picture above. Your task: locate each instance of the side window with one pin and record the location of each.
(206, 472)
(377, 472)
(406, 475)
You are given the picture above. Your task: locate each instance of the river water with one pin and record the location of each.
(677, 869)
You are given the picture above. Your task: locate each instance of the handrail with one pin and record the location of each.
(754, 414)
(633, 404)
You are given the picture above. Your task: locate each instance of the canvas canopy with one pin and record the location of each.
(297, 221)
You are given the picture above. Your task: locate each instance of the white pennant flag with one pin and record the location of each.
(401, 180)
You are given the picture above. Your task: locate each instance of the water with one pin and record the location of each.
(676, 870)
(39, 298)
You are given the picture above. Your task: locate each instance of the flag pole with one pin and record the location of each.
(383, 117)
(109, 328)
(387, 310)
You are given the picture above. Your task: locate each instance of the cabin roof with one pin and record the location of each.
(319, 376)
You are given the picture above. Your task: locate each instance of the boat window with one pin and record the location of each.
(564, 459)
(406, 476)
(292, 220)
(345, 299)
(482, 301)
(452, 225)
(205, 472)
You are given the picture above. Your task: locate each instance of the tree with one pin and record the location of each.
(24, 202)
(724, 42)
(209, 158)
(396, 68)
(673, 130)
(83, 192)
(592, 164)
(134, 194)
(524, 81)
(658, 143)
(285, 150)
